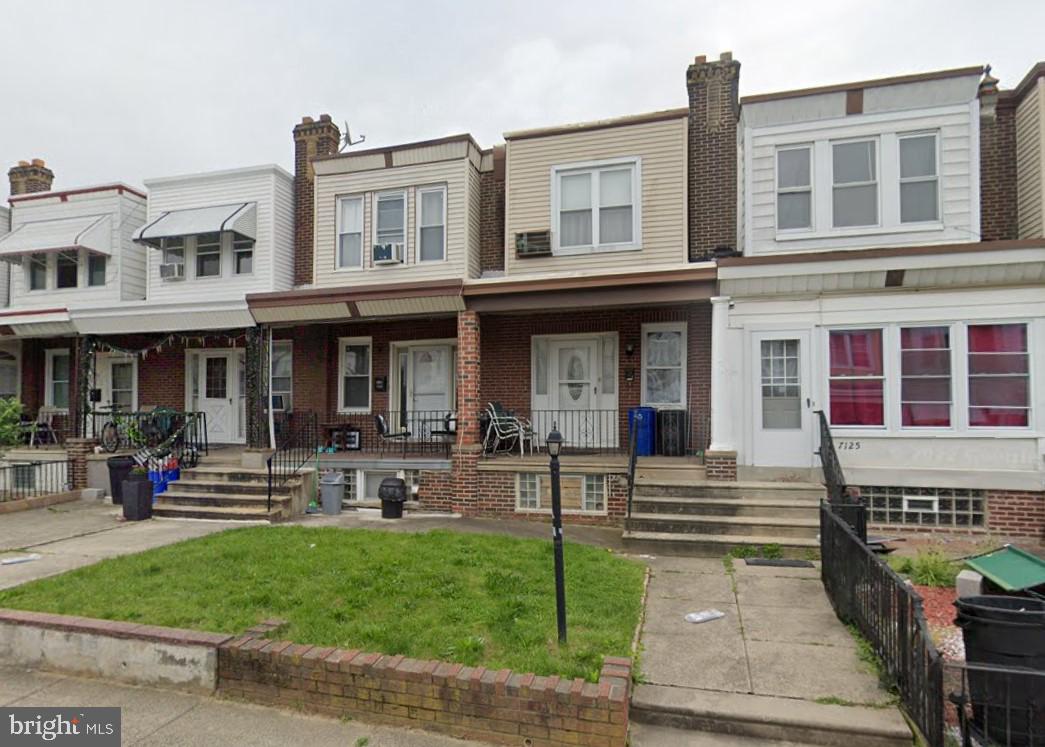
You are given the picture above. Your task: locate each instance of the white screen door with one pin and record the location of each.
(217, 398)
(782, 415)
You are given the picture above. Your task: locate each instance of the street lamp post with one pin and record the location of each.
(554, 443)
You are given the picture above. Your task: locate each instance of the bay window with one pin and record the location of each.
(919, 183)
(856, 379)
(925, 376)
(596, 207)
(664, 364)
(855, 177)
(354, 374)
(794, 188)
(349, 232)
(431, 224)
(999, 375)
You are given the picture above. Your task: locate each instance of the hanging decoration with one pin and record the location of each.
(230, 340)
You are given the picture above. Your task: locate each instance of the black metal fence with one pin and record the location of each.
(997, 705)
(22, 480)
(868, 594)
(300, 444)
(834, 478)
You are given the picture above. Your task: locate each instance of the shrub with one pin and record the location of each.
(928, 568)
(10, 422)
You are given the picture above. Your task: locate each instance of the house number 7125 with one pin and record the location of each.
(849, 445)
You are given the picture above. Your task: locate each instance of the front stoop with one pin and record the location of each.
(227, 493)
(710, 518)
(690, 713)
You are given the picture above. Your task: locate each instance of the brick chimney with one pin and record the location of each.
(311, 139)
(998, 180)
(30, 176)
(714, 109)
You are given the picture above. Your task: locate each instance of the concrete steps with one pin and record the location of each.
(649, 735)
(227, 492)
(781, 508)
(713, 545)
(789, 527)
(241, 500)
(219, 513)
(691, 715)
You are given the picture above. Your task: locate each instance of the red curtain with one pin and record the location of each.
(856, 399)
(999, 385)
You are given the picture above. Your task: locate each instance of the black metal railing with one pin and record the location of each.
(633, 450)
(149, 429)
(20, 480)
(583, 431)
(408, 432)
(997, 705)
(300, 445)
(834, 478)
(868, 594)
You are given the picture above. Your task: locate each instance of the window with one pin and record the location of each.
(354, 394)
(855, 184)
(123, 385)
(173, 250)
(242, 256)
(528, 490)
(593, 496)
(781, 387)
(794, 188)
(282, 373)
(390, 223)
(431, 224)
(208, 255)
(350, 232)
(67, 270)
(37, 272)
(95, 270)
(940, 507)
(856, 383)
(999, 375)
(596, 208)
(919, 183)
(664, 364)
(58, 375)
(925, 376)
(8, 375)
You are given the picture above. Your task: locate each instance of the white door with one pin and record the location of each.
(574, 391)
(217, 397)
(782, 408)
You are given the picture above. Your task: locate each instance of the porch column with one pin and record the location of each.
(256, 377)
(79, 393)
(466, 451)
(721, 458)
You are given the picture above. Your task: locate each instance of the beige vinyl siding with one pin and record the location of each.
(1030, 149)
(330, 186)
(661, 148)
(474, 268)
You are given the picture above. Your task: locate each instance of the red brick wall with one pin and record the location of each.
(998, 205)
(491, 214)
(1017, 513)
(311, 139)
(496, 498)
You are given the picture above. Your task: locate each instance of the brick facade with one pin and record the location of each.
(998, 201)
(1016, 513)
(721, 465)
(714, 110)
(497, 498)
(311, 139)
(491, 214)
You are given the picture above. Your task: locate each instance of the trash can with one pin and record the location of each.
(392, 493)
(119, 468)
(1006, 632)
(332, 492)
(671, 432)
(643, 420)
(137, 498)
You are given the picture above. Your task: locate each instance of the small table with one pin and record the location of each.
(338, 436)
(448, 431)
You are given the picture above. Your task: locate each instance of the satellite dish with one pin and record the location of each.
(347, 141)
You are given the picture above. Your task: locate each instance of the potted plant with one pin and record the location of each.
(137, 495)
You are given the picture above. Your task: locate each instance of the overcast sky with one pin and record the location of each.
(124, 91)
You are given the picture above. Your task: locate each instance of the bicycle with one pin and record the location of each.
(128, 429)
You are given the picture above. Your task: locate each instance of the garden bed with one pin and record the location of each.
(474, 599)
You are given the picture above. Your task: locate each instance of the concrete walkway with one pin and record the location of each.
(173, 719)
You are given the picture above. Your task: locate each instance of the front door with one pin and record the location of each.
(423, 383)
(575, 390)
(783, 419)
(217, 397)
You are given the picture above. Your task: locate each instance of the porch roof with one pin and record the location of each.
(400, 299)
(152, 317)
(36, 323)
(240, 218)
(90, 232)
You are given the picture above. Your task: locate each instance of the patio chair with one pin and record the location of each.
(504, 427)
(386, 435)
(40, 431)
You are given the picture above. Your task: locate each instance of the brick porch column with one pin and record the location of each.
(77, 450)
(467, 449)
(721, 458)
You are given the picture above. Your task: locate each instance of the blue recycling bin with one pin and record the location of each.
(643, 421)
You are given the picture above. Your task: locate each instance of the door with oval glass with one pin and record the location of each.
(575, 390)
(783, 422)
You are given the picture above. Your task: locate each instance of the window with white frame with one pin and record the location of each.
(919, 182)
(8, 375)
(855, 179)
(282, 375)
(856, 379)
(390, 218)
(355, 371)
(999, 375)
(173, 250)
(96, 264)
(528, 490)
(208, 255)
(37, 272)
(67, 270)
(664, 364)
(431, 224)
(794, 184)
(349, 232)
(596, 207)
(58, 374)
(242, 255)
(593, 494)
(925, 377)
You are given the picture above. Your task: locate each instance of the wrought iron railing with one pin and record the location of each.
(867, 593)
(409, 432)
(149, 429)
(300, 445)
(633, 450)
(997, 705)
(834, 478)
(20, 480)
(583, 431)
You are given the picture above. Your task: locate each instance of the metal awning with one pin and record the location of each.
(90, 232)
(240, 218)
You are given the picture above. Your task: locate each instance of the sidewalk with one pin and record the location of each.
(173, 719)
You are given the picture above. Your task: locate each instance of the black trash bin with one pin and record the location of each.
(1005, 632)
(119, 469)
(392, 493)
(671, 433)
(137, 498)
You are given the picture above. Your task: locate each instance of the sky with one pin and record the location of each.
(107, 90)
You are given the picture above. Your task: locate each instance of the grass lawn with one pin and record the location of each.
(469, 598)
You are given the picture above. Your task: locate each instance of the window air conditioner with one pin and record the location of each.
(388, 254)
(172, 271)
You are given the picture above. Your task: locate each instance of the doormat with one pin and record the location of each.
(779, 562)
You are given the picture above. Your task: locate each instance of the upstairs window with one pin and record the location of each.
(208, 255)
(37, 272)
(243, 256)
(999, 375)
(857, 379)
(173, 250)
(794, 188)
(350, 232)
(67, 270)
(431, 224)
(919, 183)
(96, 270)
(596, 208)
(855, 170)
(390, 221)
